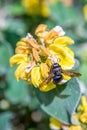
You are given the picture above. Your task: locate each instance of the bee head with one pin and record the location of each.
(54, 59)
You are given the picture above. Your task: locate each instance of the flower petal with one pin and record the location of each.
(66, 77)
(83, 106)
(36, 76)
(47, 87)
(44, 70)
(45, 51)
(35, 54)
(55, 124)
(20, 72)
(64, 40)
(32, 42)
(21, 43)
(51, 35)
(83, 117)
(22, 50)
(59, 30)
(75, 127)
(18, 59)
(65, 55)
(40, 30)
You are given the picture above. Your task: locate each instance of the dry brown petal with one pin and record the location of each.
(35, 54)
(32, 43)
(22, 50)
(29, 67)
(44, 50)
(23, 40)
(50, 37)
(21, 43)
(40, 29)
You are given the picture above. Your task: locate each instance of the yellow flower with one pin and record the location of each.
(44, 70)
(36, 76)
(55, 124)
(31, 6)
(36, 57)
(47, 87)
(41, 30)
(65, 55)
(18, 59)
(48, 36)
(83, 117)
(57, 43)
(75, 127)
(20, 72)
(21, 60)
(83, 109)
(45, 12)
(36, 7)
(83, 106)
(85, 12)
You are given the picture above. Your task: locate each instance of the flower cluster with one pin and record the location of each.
(35, 57)
(57, 125)
(82, 110)
(80, 116)
(36, 7)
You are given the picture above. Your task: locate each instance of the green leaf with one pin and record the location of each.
(65, 16)
(34, 103)
(60, 102)
(16, 26)
(5, 54)
(16, 9)
(15, 30)
(17, 92)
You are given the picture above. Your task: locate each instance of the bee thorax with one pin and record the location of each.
(56, 69)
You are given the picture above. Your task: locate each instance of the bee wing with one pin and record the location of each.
(76, 65)
(71, 74)
(47, 80)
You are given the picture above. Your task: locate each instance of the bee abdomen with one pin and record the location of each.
(57, 79)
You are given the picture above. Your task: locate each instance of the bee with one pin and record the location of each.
(56, 74)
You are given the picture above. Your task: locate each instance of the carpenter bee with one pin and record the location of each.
(56, 74)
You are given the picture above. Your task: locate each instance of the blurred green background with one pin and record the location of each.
(19, 108)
